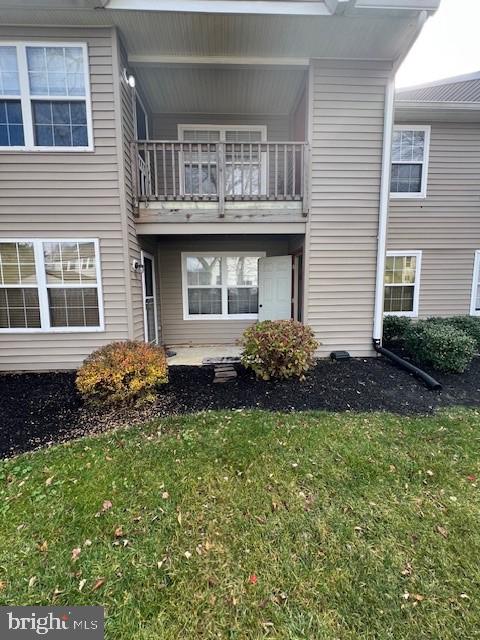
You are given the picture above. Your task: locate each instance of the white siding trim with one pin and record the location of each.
(26, 98)
(43, 293)
(426, 153)
(416, 287)
(222, 128)
(221, 254)
(475, 282)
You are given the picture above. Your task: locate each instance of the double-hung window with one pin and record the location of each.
(410, 147)
(244, 161)
(50, 285)
(475, 300)
(402, 283)
(220, 285)
(45, 97)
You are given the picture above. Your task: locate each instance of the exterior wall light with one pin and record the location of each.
(129, 78)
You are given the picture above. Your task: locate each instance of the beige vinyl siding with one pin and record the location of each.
(70, 195)
(347, 110)
(445, 225)
(165, 125)
(176, 330)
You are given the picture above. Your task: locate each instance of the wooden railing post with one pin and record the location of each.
(306, 180)
(134, 169)
(221, 179)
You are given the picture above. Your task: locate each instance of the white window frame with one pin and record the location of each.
(222, 129)
(422, 194)
(224, 286)
(26, 98)
(475, 283)
(143, 255)
(416, 284)
(42, 287)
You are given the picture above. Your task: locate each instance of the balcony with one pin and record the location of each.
(242, 181)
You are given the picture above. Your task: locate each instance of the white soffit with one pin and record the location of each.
(220, 90)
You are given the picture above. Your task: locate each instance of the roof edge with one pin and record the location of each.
(475, 75)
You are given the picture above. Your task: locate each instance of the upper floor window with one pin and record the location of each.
(409, 161)
(45, 97)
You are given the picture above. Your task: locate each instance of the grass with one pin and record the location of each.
(254, 525)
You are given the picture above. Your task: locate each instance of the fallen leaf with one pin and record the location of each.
(107, 504)
(187, 554)
(418, 597)
(464, 596)
(43, 547)
(3, 585)
(406, 595)
(49, 481)
(471, 478)
(179, 518)
(252, 579)
(429, 472)
(87, 543)
(408, 570)
(98, 584)
(208, 545)
(81, 584)
(108, 458)
(32, 581)
(442, 531)
(75, 553)
(165, 495)
(118, 532)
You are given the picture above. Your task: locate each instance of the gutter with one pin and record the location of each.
(388, 120)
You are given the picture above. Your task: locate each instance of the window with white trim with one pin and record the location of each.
(475, 301)
(244, 159)
(220, 285)
(50, 285)
(402, 283)
(45, 97)
(409, 161)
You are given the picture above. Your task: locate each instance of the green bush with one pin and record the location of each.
(278, 349)
(122, 372)
(394, 329)
(469, 324)
(439, 345)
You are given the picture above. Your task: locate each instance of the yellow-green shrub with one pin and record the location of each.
(278, 349)
(122, 372)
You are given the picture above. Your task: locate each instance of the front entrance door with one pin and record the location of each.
(149, 299)
(275, 288)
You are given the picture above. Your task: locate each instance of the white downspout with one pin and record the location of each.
(388, 117)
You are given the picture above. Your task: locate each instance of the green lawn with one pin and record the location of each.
(254, 525)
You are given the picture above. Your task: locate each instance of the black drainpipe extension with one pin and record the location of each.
(430, 382)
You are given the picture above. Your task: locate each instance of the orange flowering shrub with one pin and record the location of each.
(278, 349)
(123, 372)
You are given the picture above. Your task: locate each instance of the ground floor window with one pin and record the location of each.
(50, 285)
(220, 285)
(475, 303)
(402, 283)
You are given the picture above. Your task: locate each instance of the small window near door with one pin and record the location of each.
(220, 286)
(402, 283)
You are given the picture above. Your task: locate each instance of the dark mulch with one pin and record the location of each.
(38, 409)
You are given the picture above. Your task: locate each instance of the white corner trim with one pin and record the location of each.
(422, 194)
(416, 285)
(475, 283)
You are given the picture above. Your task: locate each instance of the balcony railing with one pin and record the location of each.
(219, 171)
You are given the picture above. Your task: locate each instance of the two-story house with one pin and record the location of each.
(434, 218)
(173, 171)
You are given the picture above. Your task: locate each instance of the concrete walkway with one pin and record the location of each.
(193, 356)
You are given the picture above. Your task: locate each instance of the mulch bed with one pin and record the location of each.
(40, 409)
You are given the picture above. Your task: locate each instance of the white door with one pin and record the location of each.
(275, 288)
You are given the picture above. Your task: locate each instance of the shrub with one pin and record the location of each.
(278, 349)
(394, 329)
(122, 372)
(439, 345)
(469, 324)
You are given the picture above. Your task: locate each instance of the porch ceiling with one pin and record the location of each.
(220, 90)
